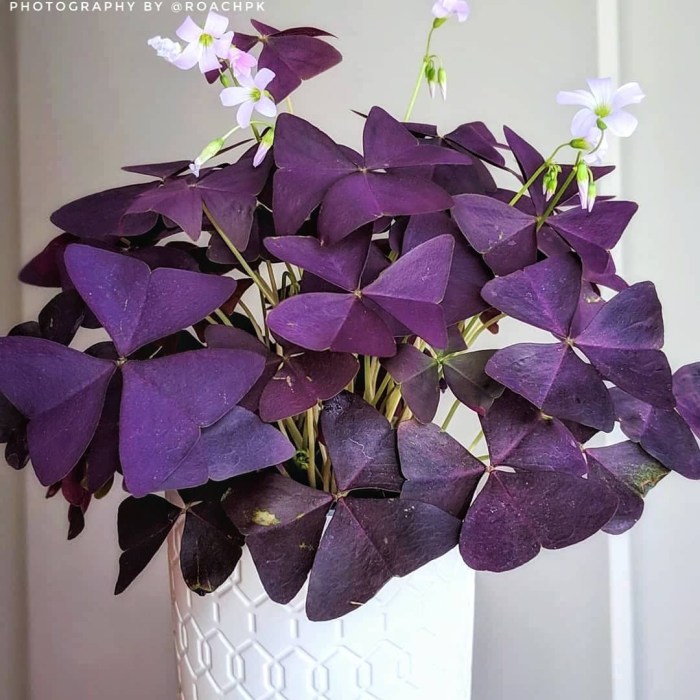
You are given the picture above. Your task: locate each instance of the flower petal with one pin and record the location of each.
(266, 107)
(602, 90)
(576, 97)
(222, 46)
(245, 113)
(189, 31)
(263, 78)
(232, 96)
(628, 94)
(189, 57)
(208, 60)
(621, 123)
(583, 123)
(215, 25)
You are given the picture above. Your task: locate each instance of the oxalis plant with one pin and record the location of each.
(277, 369)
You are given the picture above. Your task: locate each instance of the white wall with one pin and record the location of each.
(12, 566)
(92, 98)
(660, 49)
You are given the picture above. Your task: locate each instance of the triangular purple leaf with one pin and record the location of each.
(686, 388)
(630, 473)
(137, 305)
(361, 444)
(517, 514)
(282, 521)
(376, 540)
(437, 468)
(62, 393)
(466, 376)
(554, 379)
(662, 433)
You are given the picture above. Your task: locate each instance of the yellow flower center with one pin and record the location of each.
(206, 40)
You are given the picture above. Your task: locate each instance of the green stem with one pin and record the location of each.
(557, 197)
(421, 76)
(369, 386)
(251, 318)
(311, 443)
(451, 414)
(382, 388)
(521, 192)
(241, 260)
(294, 432)
(476, 440)
(223, 317)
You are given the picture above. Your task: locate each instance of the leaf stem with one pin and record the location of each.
(421, 75)
(451, 414)
(311, 444)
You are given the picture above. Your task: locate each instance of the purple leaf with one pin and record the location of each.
(502, 234)
(623, 342)
(362, 197)
(303, 379)
(106, 214)
(466, 376)
(11, 420)
(468, 273)
(630, 473)
(294, 55)
(61, 318)
(308, 162)
(603, 227)
(412, 288)
(210, 547)
(529, 160)
(143, 525)
(162, 171)
(137, 305)
(62, 393)
(282, 521)
(236, 339)
(361, 444)
(517, 514)
(389, 144)
(326, 321)
(47, 269)
(341, 264)
(375, 540)
(437, 468)
(554, 379)
(686, 387)
(476, 138)
(165, 405)
(521, 436)
(545, 295)
(661, 432)
(419, 378)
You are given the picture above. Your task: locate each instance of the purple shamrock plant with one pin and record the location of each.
(278, 369)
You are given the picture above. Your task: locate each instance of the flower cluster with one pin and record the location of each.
(281, 369)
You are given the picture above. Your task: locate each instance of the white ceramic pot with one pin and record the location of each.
(412, 642)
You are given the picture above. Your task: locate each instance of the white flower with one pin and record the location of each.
(598, 146)
(603, 103)
(444, 9)
(165, 48)
(251, 95)
(204, 46)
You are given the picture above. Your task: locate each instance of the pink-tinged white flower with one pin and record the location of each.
(251, 95)
(165, 48)
(602, 103)
(444, 9)
(241, 62)
(204, 46)
(265, 145)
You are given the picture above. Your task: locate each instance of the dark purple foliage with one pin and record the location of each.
(281, 371)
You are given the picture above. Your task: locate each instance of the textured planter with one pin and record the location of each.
(412, 642)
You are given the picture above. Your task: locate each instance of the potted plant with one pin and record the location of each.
(282, 319)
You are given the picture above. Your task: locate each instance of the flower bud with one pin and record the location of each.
(226, 80)
(439, 21)
(208, 152)
(580, 144)
(592, 193)
(431, 78)
(551, 181)
(583, 179)
(600, 123)
(442, 82)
